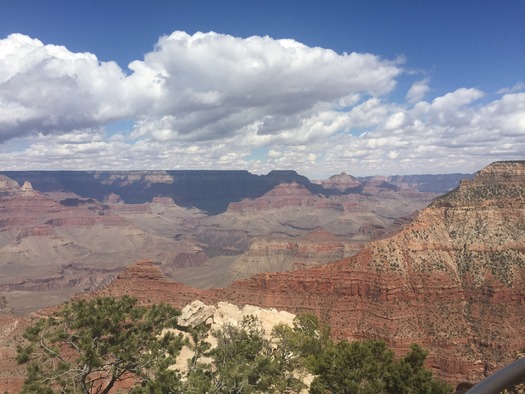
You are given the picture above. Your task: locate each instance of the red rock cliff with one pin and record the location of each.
(453, 280)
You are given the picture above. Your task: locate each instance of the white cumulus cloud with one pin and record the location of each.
(48, 89)
(212, 100)
(190, 87)
(417, 91)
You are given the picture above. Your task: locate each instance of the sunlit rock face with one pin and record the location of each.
(452, 280)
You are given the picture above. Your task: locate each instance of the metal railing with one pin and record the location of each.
(505, 378)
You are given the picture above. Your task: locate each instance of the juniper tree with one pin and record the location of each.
(89, 346)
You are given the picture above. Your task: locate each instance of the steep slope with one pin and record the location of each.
(60, 242)
(453, 280)
(286, 229)
(341, 182)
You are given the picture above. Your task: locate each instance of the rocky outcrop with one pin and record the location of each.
(195, 313)
(282, 196)
(341, 182)
(453, 280)
(145, 281)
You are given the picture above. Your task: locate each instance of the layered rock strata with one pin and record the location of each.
(210, 191)
(453, 280)
(283, 195)
(79, 245)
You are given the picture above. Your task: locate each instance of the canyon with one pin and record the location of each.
(372, 259)
(452, 280)
(62, 232)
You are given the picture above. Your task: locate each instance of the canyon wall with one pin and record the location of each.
(210, 191)
(452, 280)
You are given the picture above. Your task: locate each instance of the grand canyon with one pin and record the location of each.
(437, 260)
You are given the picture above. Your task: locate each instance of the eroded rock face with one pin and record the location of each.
(70, 247)
(210, 191)
(341, 182)
(223, 313)
(453, 280)
(195, 313)
(315, 248)
(145, 281)
(283, 195)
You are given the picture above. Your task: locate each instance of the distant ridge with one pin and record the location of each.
(208, 190)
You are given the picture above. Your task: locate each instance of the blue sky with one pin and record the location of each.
(368, 87)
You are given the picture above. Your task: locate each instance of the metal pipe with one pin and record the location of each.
(505, 378)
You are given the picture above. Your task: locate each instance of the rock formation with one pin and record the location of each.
(404, 289)
(439, 183)
(316, 248)
(145, 281)
(341, 182)
(46, 246)
(453, 280)
(56, 236)
(209, 191)
(223, 313)
(283, 195)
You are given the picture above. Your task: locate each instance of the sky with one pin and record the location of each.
(321, 87)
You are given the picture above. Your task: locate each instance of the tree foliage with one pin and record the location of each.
(359, 367)
(247, 362)
(369, 367)
(304, 342)
(88, 346)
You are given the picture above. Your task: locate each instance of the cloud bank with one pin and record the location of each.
(211, 100)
